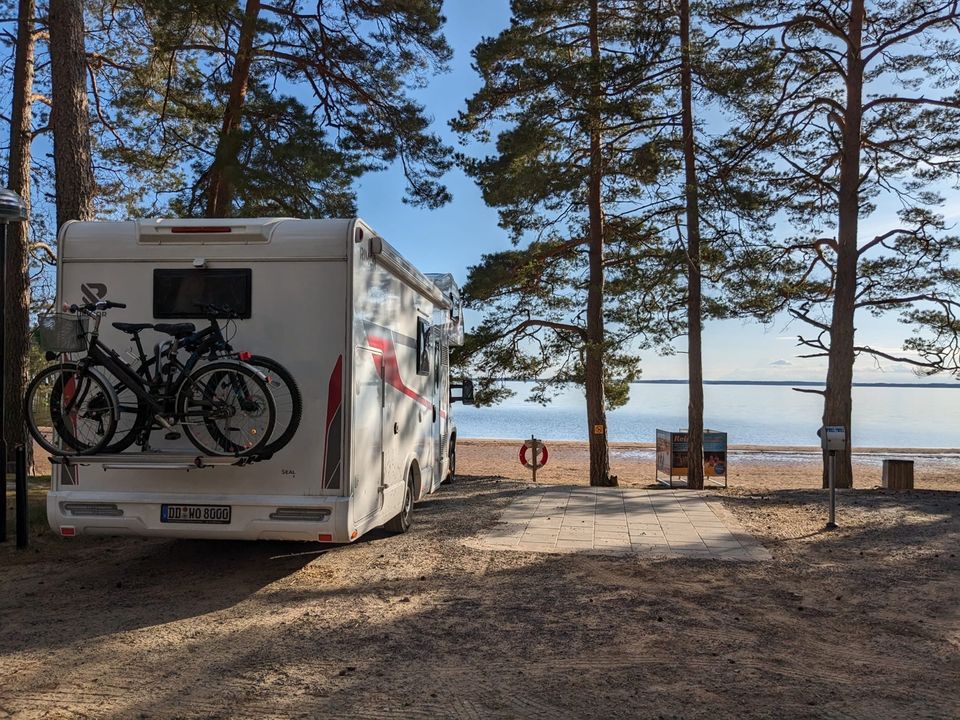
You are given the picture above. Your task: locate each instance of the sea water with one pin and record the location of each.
(750, 415)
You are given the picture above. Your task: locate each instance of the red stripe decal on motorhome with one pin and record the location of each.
(334, 391)
(332, 434)
(389, 369)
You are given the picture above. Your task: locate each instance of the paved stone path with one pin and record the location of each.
(654, 523)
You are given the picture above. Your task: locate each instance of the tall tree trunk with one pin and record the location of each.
(694, 310)
(596, 412)
(838, 398)
(223, 172)
(16, 364)
(69, 117)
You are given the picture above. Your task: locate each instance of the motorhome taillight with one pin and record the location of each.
(68, 531)
(201, 229)
(325, 537)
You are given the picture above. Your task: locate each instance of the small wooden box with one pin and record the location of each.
(898, 474)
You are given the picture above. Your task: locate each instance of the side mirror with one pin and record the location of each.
(466, 392)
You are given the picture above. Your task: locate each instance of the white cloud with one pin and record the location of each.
(781, 362)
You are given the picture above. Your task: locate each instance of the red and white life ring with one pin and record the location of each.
(540, 450)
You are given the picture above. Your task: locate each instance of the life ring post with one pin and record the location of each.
(533, 443)
(538, 448)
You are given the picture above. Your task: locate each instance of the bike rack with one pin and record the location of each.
(154, 460)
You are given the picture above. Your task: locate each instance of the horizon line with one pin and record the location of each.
(799, 383)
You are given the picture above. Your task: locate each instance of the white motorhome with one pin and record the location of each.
(365, 335)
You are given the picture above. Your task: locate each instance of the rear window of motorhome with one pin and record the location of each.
(186, 292)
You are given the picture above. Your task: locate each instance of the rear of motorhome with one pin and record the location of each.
(365, 335)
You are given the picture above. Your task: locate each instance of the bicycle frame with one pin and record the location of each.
(140, 381)
(100, 354)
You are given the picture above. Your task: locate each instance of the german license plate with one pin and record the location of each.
(203, 514)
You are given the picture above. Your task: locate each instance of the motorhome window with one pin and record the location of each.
(183, 292)
(423, 347)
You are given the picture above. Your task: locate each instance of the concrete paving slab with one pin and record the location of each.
(648, 523)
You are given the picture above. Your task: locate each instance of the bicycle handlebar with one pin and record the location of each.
(100, 305)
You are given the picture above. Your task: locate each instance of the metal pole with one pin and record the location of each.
(3, 375)
(12, 209)
(3, 485)
(831, 522)
(22, 514)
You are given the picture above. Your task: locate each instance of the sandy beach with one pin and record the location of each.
(860, 622)
(750, 466)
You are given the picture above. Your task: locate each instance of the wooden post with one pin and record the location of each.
(898, 474)
(536, 455)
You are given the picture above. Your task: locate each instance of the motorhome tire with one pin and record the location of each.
(453, 460)
(401, 523)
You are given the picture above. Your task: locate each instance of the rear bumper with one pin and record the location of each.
(72, 512)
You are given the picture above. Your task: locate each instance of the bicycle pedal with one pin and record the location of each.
(172, 436)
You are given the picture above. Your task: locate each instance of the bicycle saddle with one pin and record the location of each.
(132, 328)
(178, 330)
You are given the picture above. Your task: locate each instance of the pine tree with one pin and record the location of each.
(575, 86)
(197, 109)
(863, 119)
(723, 211)
(16, 362)
(691, 193)
(69, 119)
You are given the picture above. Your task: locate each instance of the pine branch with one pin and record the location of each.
(902, 33)
(922, 101)
(804, 317)
(898, 359)
(44, 249)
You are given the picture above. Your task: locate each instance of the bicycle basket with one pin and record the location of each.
(62, 333)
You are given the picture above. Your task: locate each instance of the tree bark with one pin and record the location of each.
(223, 172)
(838, 399)
(69, 117)
(16, 364)
(694, 290)
(594, 386)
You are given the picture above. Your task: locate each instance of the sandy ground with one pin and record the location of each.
(750, 466)
(861, 622)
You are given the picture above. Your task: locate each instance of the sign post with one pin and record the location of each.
(832, 438)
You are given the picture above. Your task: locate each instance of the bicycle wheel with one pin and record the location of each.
(75, 405)
(135, 416)
(226, 408)
(286, 397)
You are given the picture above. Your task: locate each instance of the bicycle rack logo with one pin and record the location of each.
(93, 292)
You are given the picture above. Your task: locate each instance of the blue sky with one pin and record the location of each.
(454, 237)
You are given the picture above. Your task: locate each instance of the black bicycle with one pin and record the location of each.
(224, 407)
(136, 422)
